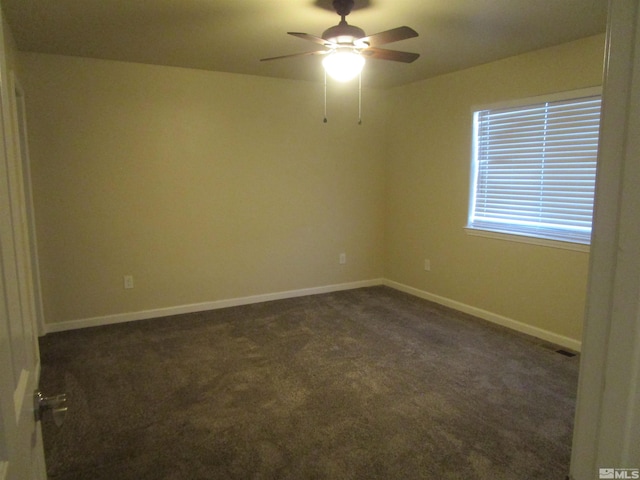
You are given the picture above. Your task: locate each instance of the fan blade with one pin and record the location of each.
(304, 54)
(311, 38)
(396, 56)
(388, 36)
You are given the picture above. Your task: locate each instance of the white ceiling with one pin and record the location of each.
(232, 35)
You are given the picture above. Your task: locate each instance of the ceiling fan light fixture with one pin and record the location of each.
(343, 64)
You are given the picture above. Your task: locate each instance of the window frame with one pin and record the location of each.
(504, 233)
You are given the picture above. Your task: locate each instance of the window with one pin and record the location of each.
(534, 168)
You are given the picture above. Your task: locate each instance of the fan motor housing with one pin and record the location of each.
(343, 34)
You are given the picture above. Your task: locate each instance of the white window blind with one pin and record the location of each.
(535, 168)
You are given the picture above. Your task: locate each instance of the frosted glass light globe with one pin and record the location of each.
(343, 65)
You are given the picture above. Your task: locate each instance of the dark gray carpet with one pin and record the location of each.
(361, 384)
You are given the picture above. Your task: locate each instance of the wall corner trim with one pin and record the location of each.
(540, 333)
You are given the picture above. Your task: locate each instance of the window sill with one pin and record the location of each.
(576, 247)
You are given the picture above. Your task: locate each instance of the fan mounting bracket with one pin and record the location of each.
(343, 7)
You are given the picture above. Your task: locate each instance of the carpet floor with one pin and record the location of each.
(362, 384)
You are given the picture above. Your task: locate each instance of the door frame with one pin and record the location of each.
(607, 426)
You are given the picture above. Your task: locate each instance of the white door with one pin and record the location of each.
(21, 453)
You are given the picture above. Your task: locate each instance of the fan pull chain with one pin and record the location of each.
(325, 97)
(360, 99)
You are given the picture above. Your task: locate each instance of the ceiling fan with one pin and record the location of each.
(347, 46)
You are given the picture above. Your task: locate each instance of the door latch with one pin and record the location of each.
(55, 403)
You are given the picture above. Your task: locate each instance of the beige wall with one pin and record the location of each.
(428, 178)
(204, 186)
(210, 186)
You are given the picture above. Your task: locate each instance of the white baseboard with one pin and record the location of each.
(234, 302)
(201, 307)
(546, 335)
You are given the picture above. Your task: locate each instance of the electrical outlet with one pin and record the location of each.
(427, 265)
(128, 281)
(343, 258)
